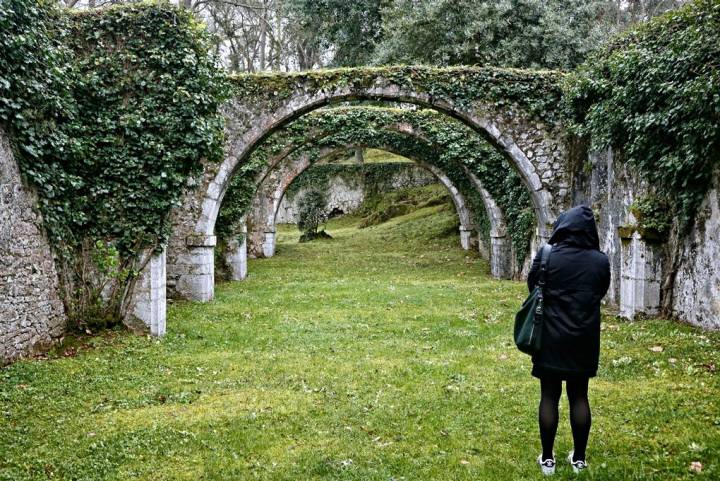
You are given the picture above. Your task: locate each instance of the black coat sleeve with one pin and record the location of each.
(534, 271)
(606, 277)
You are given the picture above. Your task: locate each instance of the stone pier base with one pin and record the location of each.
(465, 234)
(236, 258)
(640, 275)
(501, 265)
(268, 246)
(148, 304)
(194, 270)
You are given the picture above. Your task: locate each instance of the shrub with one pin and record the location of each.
(312, 212)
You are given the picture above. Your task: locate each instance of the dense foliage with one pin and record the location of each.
(111, 112)
(505, 33)
(654, 95)
(451, 145)
(258, 35)
(375, 177)
(348, 31)
(34, 73)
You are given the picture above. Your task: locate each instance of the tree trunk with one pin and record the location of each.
(263, 36)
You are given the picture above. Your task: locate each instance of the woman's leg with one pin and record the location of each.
(580, 417)
(550, 390)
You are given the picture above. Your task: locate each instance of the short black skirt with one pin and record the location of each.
(547, 373)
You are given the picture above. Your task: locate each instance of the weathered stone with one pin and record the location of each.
(250, 120)
(640, 272)
(147, 306)
(32, 316)
(696, 294)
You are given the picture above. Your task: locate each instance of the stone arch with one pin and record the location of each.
(531, 151)
(536, 145)
(266, 202)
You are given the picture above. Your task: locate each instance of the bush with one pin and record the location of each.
(312, 212)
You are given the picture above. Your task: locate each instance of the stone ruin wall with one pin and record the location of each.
(638, 263)
(32, 316)
(345, 195)
(696, 294)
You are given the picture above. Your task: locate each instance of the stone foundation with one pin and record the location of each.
(640, 276)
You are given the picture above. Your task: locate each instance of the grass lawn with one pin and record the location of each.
(384, 354)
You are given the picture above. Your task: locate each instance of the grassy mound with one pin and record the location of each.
(381, 207)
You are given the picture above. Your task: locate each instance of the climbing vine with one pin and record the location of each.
(374, 177)
(110, 112)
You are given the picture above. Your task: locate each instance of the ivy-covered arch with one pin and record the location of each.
(516, 111)
(425, 135)
(266, 202)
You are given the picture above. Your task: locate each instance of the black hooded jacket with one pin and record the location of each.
(578, 276)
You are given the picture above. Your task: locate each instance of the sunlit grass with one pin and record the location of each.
(382, 354)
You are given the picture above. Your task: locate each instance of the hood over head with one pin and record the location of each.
(576, 227)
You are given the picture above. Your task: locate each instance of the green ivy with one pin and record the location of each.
(110, 112)
(374, 177)
(653, 94)
(538, 92)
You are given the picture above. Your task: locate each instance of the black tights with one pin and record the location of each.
(580, 419)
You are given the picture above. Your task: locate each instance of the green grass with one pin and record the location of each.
(375, 156)
(384, 354)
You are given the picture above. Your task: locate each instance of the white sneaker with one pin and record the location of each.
(547, 466)
(578, 466)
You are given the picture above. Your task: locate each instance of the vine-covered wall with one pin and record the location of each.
(110, 112)
(653, 96)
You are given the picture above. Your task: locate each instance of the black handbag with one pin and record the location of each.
(529, 319)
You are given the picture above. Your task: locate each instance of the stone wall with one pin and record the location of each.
(696, 295)
(345, 194)
(31, 312)
(639, 264)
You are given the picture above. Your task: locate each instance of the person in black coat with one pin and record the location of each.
(578, 277)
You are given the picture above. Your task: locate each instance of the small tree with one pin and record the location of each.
(312, 212)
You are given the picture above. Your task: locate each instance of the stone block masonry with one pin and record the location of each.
(32, 316)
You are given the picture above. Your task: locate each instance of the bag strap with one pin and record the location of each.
(544, 258)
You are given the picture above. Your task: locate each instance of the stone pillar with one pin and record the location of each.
(197, 281)
(465, 234)
(268, 246)
(501, 265)
(148, 303)
(640, 274)
(236, 256)
(483, 248)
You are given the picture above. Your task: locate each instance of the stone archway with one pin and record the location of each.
(502, 105)
(261, 215)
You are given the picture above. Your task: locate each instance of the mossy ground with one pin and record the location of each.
(383, 354)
